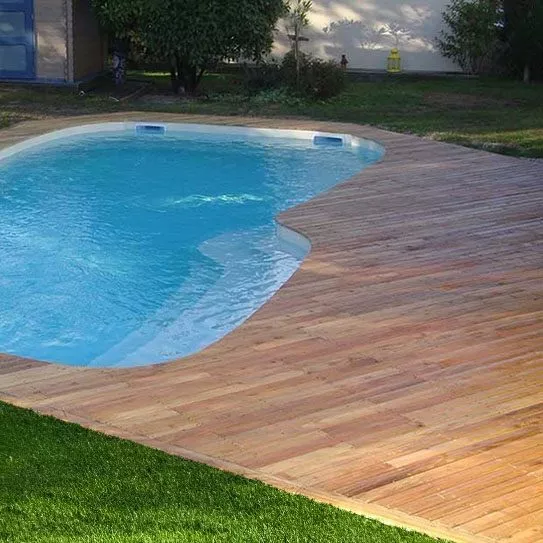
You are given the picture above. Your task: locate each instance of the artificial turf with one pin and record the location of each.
(61, 483)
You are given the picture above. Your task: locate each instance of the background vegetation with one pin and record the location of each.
(495, 114)
(191, 36)
(495, 36)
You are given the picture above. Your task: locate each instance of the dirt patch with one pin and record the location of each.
(467, 101)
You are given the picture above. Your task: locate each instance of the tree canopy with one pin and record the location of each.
(488, 34)
(471, 33)
(523, 29)
(191, 35)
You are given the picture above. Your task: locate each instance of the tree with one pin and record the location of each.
(192, 35)
(472, 33)
(523, 31)
(297, 19)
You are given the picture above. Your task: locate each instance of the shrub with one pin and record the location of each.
(327, 79)
(288, 69)
(318, 79)
(265, 75)
(471, 39)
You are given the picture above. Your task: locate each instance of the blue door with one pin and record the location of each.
(16, 39)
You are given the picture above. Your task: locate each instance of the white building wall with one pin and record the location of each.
(360, 29)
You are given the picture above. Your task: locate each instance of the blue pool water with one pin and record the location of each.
(123, 249)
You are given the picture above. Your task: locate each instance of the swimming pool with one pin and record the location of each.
(127, 244)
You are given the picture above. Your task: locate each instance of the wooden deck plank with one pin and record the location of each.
(399, 373)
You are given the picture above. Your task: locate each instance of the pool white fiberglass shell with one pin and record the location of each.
(128, 244)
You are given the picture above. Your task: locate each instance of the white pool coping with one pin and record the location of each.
(347, 139)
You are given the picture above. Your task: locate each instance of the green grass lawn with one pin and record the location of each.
(498, 115)
(60, 483)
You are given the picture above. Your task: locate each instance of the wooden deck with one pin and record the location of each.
(399, 373)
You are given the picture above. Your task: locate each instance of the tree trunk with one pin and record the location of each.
(192, 80)
(181, 74)
(297, 54)
(527, 76)
(185, 78)
(174, 79)
(176, 74)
